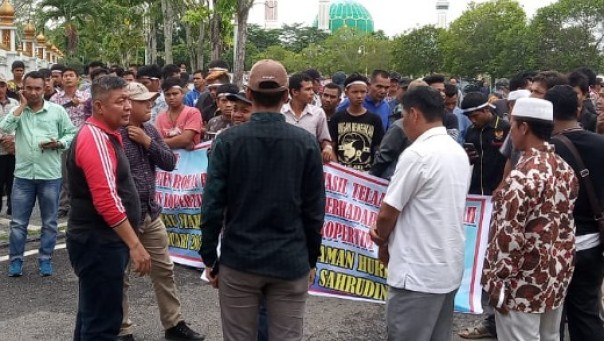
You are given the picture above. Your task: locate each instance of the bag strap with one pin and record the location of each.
(584, 173)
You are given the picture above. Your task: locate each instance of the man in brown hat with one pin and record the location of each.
(265, 186)
(145, 149)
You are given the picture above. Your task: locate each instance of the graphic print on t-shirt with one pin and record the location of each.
(354, 144)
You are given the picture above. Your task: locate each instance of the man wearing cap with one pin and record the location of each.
(272, 207)
(43, 131)
(513, 96)
(396, 111)
(223, 118)
(316, 77)
(375, 100)
(338, 78)
(242, 107)
(530, 256)
(146, 150)
(393, 90)
(7, 147)
(483, 140)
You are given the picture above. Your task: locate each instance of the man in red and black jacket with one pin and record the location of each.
(105, 210)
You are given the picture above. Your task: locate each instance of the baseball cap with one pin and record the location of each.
(2, 79)
(239, 97)
(139, 92)
(268, 76)
(339, 77)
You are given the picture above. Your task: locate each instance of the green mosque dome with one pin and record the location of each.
(349, 13)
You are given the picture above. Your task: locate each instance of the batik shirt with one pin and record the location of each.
(532, 237)
(77, 113)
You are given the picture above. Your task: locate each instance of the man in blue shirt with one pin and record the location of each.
(451, 100)
(199, 87)
(375, 101)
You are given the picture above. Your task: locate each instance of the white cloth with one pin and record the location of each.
(516, 325)
(429, 188)
(587, 241)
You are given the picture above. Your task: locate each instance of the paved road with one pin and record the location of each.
(36, 308)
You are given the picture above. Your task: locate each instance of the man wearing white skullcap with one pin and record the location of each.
(530, 255)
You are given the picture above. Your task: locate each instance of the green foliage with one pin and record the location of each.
(490, 38)
(570, 34)
(480, 40)
(419, 52)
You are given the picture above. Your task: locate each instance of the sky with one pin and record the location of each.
(392, 16)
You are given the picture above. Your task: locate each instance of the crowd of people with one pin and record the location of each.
(87, 148)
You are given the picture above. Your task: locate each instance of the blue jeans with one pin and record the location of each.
(23, 199)
(100, 269)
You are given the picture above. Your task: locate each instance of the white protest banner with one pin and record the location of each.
(348, 267)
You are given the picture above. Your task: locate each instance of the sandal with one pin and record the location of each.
(474, 333)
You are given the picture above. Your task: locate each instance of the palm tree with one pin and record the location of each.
(71, 14)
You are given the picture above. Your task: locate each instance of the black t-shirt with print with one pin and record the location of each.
(357, 138)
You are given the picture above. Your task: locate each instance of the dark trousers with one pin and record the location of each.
(582, 304)
(7, 171)
(100, 269)
(263, 321)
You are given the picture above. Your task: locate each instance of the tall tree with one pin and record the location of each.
(168, 11)
(71, 14)
(570, 34)
(242, 14)
(196, 21)
(478, 41)
(419, 51)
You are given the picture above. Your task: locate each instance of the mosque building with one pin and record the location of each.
(331, 15)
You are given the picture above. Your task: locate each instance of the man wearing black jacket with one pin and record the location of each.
(265, 186)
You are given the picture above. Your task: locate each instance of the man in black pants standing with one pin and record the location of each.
(105, 211)
(583, 298)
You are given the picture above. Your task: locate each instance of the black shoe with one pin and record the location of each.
(128, 337)
(182, 332)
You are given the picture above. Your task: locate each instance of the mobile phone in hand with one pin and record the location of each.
(469, 147)
(215, 269)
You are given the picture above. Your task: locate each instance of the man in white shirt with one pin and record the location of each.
(419, 228)
(300, 112)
